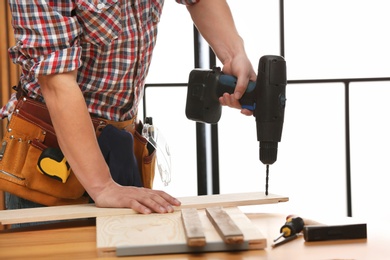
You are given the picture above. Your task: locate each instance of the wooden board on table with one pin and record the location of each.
(193, 227)
(225, 225)
(90, 210)
(131, 235)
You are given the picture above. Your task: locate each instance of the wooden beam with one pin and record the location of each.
(225, 226)
(193, 228)
(90, 210)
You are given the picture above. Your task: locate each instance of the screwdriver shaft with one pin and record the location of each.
(287, 239)
(279, 237)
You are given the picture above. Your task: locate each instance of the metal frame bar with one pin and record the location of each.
(346, 82)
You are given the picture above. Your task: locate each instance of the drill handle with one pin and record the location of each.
(227, 84)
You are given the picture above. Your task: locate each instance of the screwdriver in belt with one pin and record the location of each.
(292, 227)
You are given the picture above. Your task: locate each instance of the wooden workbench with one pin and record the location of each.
(77, 240)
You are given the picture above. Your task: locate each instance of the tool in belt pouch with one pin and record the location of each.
(29, 133)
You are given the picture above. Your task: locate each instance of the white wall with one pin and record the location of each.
(323, 39)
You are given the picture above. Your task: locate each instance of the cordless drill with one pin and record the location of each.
(266, 98)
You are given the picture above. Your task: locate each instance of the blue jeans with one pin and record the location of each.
(15, 202)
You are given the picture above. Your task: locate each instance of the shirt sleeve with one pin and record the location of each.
(187, 2)
(46, 37)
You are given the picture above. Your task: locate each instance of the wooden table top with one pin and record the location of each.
(77, 240)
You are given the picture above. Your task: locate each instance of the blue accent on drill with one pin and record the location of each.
(231, 81)
(249, 107)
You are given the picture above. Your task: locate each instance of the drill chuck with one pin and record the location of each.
(268, 152)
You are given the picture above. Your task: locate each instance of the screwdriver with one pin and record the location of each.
(293, 226)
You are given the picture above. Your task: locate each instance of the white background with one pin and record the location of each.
(323, 40)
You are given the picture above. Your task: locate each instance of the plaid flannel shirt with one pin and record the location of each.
(109, 42)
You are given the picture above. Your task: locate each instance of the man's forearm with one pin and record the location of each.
(74, 129)
(215, 22)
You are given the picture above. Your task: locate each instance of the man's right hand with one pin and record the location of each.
(142, 200)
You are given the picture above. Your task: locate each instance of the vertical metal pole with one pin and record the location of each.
(201, 154)
(206, 135)
(214, 140)
(215, 159)
(348, 152)
(201, 158)
(281, 26)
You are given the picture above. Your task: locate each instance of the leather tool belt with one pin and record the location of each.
(30, 132)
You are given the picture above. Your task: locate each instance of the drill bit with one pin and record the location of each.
(266, 179)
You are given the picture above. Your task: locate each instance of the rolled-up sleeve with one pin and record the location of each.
(46, 38)
(188, 2)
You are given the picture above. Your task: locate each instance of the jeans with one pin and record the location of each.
(15, 202)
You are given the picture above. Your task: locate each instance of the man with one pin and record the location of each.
(85, 57)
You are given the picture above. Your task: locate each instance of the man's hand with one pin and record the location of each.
(240, 67)
(142, 200)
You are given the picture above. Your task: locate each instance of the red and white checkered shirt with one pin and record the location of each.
(109, 42)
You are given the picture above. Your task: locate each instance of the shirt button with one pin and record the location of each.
(100, 6)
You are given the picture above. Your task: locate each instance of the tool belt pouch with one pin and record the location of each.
(144, 153)
(146, 158)
(26, 137)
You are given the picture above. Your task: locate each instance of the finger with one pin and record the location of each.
(166, 201)
(140, 208)
(229, 100)
(234, 102)
(225, 99)
(246, 112)
(239, 91)
(159, 201)
(171, 200)
(242, 84)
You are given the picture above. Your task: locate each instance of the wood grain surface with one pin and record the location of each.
(131, 235)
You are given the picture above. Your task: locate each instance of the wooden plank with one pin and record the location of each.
(193, 228)
(131, 235)
(225, 226)
(251, 232)
(90, 210)
(231, 200)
